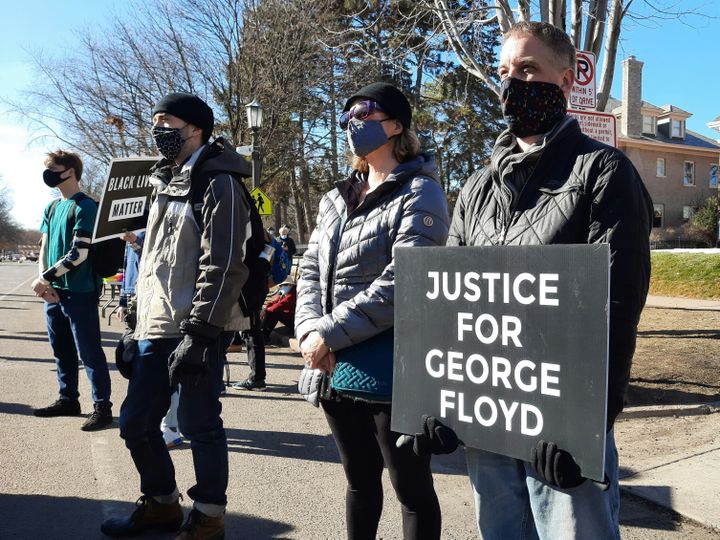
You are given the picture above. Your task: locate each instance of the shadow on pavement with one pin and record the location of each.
(16, 408)
(43, 338)
(642, 514)
(21, 359)
(283, 444)
(692, 334)
(652, 395)
(61, 518)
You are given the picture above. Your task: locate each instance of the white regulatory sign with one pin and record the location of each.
(596, 125)
(582, 94)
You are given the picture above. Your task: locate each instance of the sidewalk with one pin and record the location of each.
(685, 476)
(692, 304)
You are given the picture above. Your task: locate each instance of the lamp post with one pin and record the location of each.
(255, 117)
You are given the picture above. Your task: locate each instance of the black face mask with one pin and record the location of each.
(531, 107)
(53, 179)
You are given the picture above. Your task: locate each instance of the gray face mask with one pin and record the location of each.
(365, 136)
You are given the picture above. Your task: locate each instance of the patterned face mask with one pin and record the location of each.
(531, 107)
(169, 141)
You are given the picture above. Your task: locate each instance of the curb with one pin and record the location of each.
(651, 411)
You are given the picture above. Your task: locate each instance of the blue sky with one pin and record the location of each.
(680, 69)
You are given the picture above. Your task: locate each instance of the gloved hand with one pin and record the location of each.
(187, 364)
(436, 438)
(125, 353)
(556, 467)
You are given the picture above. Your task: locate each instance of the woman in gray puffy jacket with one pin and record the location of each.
(345, 303)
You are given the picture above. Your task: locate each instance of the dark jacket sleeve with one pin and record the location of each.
(621, 215)
(424, 222)
(226, 229)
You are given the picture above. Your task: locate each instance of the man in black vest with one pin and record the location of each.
(189, 280)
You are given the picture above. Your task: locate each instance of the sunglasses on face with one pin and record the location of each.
(360, 111)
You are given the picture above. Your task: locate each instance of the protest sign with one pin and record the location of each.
(125, 200)
(506, 345)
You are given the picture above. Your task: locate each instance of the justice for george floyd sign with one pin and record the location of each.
(506, 345)
(125, 200)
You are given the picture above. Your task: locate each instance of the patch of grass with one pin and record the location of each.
(689, 275)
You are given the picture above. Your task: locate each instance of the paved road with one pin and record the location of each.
(57, 482)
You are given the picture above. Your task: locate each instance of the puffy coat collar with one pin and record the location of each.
(350, 188)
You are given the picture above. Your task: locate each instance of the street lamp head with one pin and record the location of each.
(254, 114)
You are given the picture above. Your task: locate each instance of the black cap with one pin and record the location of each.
(392, 101)
(190, 108)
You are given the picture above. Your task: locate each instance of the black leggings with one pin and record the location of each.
(363, 438)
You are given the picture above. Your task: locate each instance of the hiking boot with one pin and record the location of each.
(248, 384)
(62, 407)
(201, 527)
(149, 516)
(99, 418)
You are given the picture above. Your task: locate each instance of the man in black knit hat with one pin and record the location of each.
(190, 277)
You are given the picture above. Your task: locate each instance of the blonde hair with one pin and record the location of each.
(406, 146)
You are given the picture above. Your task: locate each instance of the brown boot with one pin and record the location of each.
(149, 515)
(201, 527)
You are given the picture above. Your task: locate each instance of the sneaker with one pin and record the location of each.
(99, 418)
(201, 527)
(248, 384)
(172, 437)
(149, 516)
(62, 407)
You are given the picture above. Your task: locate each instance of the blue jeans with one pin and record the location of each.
(511, 503)
(147, 401)
(73, 327)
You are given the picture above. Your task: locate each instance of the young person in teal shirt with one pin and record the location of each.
(70, 289)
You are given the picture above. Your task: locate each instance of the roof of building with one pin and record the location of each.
(692, 138)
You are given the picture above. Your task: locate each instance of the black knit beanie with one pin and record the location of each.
(190, 108)
(392, 101)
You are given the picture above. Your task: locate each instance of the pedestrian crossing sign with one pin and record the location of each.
(262, 202)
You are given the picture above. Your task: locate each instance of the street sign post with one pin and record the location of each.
(583, 92)
(597, 125)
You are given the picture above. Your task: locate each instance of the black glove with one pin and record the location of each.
(556, 467)
(436, 438)
(125, 353)
(187, 364)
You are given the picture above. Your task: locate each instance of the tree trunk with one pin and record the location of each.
(576, 23)
(611, 40)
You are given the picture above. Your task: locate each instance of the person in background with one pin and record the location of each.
(344, 314)
(288, 244)
(70, 289)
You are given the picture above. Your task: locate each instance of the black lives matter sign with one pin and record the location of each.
(125, 200)
(507, 345)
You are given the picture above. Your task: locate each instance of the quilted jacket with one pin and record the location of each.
(346, 287)
(574, 190)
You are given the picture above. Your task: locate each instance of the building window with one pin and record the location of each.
(648, 125)
(713, 176)
(660, 167)
(688, 212)
(676, 129)
(658, 215)
(689, 173)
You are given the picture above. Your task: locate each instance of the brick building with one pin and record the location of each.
(679, 167)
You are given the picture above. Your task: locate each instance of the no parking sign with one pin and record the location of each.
(583, 92)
